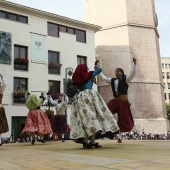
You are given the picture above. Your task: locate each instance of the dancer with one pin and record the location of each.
(3, 121)
(61, 118)
(89, 112)
(120, 103)
(37, 121)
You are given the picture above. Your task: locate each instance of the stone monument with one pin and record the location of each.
(129, 29)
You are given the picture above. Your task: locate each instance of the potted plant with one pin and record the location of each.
(21, 60)
(54, 65)
(19, 96)
(18, 93)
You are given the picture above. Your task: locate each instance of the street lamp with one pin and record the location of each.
(68, 71)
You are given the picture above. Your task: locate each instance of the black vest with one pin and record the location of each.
(122, 86)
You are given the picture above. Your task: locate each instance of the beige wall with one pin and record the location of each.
(165, 61)
(38, 75)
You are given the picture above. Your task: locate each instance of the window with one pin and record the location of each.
(168, 75)
(23, 19)
(165, 95)
(13, 17)
(53, 62)
(162, 65)
(20, 87)
(54, 87)
(3, 14)
(20, 58)
(163, 75)
(81, 60)
(80, 36)
(70, 30)
(63, 28)
(168, 85)
(166, 66)
(169, 95)
(53, 29)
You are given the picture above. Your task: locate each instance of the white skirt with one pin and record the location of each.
(90, 115)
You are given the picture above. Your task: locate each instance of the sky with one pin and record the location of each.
(74, 9)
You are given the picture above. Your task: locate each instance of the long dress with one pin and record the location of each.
(37, 122)
(90, 113)
(3, 120)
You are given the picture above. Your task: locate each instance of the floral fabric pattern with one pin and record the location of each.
(90, 115)
(38, 122)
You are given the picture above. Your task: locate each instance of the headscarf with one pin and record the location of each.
(81, 75)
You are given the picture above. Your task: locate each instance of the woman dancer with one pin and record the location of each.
(89, 112)
(3, 121)
(37, 121)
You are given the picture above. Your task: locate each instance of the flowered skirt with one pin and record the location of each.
(3, 121)
(90, 115)
(38, 122)
(125, 118)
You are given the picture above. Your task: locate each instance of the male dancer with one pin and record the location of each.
(120, 104)
(61, 118)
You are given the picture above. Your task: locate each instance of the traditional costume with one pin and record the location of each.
(60, 117)
(3, 120)
(120, 103)
(90, 114)
(37, 121)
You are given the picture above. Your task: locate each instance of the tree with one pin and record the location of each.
(168, 111)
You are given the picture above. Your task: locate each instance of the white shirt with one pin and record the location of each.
(129, 77)
(58, 105)
(3, 85)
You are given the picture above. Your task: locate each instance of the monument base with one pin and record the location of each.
(154, 126)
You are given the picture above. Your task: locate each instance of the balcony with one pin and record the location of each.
(21, 64)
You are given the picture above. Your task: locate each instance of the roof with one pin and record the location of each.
(48, 15)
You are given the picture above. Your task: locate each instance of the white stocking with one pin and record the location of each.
(62, 135)
(120, 135)
(92, 139)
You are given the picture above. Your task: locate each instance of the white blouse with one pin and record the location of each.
(129, 77)
(58, 105)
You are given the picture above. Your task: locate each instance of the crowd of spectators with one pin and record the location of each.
(134, 135)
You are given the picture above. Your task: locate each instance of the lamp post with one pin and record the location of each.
(68, 71)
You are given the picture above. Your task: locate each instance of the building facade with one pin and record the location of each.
(165, 61)
(37, 49)
(129, 29)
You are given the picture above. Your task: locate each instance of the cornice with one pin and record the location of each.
(47, 15)
(131, 24)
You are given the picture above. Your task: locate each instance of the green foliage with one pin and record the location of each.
(168, 111)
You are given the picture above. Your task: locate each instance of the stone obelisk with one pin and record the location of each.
(129, 29)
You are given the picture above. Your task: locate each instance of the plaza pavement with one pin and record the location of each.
(130, 155)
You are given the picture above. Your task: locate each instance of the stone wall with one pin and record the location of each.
(129, 30)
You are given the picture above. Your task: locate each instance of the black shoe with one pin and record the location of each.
(33, 141)
(42, 141)
(63, 140)
(79, 141)
(96, 145)
(87, 145)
